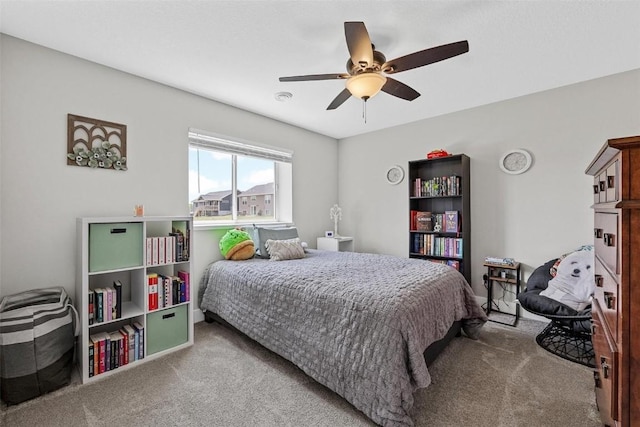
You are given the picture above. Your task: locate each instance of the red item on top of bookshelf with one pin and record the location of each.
(437, 153)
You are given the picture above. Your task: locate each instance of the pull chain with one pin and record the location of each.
(364, 108)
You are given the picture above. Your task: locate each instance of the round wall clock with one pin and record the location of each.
(395, 174)
(515, 161)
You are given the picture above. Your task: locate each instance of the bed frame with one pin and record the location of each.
(430, 354)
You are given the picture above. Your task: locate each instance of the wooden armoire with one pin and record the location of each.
(616, 306)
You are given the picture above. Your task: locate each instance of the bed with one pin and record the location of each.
(357, 323)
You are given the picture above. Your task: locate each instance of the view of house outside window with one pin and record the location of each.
(235, 181)
(211, 191)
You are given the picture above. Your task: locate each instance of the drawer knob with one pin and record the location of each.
(610, 181)
(609, 300)
(601, 185)
(597, 233)
(609, 239)
(596, 379)
(605, 367)
(599, 280)
(596, 189)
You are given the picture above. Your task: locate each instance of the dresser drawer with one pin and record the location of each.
(605, 374)
(596, 189)
(602, 187)
(611, 182)
(607, 293)
(606, 239)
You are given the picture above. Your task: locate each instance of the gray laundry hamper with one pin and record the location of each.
(37, 336)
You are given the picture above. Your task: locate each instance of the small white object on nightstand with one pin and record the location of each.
(336, 244)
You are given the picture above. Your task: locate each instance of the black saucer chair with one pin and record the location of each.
(568, 335)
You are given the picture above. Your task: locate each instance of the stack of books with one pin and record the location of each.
(500, 261)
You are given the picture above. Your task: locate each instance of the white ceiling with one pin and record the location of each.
(234, 51)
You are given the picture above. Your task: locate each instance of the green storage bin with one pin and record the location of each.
(167, 328)
(115, 245)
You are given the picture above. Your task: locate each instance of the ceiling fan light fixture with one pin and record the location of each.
(365, 85)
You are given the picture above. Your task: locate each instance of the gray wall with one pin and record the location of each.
(42, 196)
(532, 217)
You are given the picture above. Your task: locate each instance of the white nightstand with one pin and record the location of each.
(340, 244)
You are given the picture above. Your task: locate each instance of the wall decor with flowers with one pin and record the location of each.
(96, 143)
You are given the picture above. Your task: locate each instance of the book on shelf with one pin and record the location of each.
(424, 221)
(99, 311)
(124, 349)
(149, 251)
(438, 222)
(117, 285)
(162, 254)
(131, 337)
(90, 307)
(98, 353)
(161, 299)
(451, 222)
(184, 276)
(115, 337)
(180, 229)
(169, 247)
(108, 304)
(140, 331)
(91, 357)
(152, 281)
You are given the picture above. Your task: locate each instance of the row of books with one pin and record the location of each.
(165, 291)
(447, 222)
(429, 244)
(438, 186)
(111, 350)
(166, 249)
(450, 262)
(105, 304)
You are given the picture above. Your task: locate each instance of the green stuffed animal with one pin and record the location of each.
(237, 245)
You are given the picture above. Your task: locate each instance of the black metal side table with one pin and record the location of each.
(502, 276)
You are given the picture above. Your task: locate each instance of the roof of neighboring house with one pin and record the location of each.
(259, 190)
(214, 195)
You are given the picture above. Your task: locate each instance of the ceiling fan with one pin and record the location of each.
(368, 69)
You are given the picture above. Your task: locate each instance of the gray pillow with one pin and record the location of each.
(261, 235)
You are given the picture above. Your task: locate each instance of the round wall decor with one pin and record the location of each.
(515, 161)
(395, 175)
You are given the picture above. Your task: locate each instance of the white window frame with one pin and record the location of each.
(283, 185)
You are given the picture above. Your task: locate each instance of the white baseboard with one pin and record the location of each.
(198, 315)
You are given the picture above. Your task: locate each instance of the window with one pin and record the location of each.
(233, 181)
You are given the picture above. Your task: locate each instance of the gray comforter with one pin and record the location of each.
(357, 323)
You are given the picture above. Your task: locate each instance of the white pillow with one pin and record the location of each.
(280, 250)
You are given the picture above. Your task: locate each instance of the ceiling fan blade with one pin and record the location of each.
(339, 100)
(314, 77)
(359, 43)
(399, 89)
(425, 57)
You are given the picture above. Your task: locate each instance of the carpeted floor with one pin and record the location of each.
(503, 379)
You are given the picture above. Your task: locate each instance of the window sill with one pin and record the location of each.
(218, 225)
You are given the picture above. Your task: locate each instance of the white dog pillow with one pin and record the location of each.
(574, 282)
